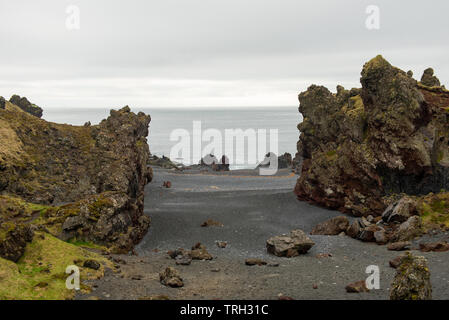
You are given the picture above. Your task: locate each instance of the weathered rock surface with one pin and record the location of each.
(359, 146)
(13, 240)
(290, 245)
(92, 176)
(399, 246)
(2, 103)
(400, 211)
(26, 106)
(199, 252)
(412, 280)
(441, 246)
(284, 161)
(255, 262)
(171, 278)
(211, 162)
(331, 227)
(357, 287)
(429, 79)
(409, 230)
(163, 162)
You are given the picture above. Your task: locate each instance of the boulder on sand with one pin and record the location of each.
(400, 211)
(434, 247)
(331, 227)
(410, 229)
(170, 277)
(412, 280)
(290, 245)
(199, 252)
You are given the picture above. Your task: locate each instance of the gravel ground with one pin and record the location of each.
(251, 209)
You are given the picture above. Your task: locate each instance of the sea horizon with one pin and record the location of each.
(164, 121)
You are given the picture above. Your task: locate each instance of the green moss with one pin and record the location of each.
(40, 273)
(97, 206)
(434, 209)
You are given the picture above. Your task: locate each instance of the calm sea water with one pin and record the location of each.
(165, 121)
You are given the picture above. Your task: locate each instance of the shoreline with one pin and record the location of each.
(178, 212)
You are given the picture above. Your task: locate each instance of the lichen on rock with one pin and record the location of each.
(412, 280)
(26, 105)
(358, 147)
(91, 177)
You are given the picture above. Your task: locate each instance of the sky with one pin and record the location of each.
(207, 53)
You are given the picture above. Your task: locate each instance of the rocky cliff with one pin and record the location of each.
(360, 148)
(87, 182)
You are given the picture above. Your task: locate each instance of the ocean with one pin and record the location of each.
(165, 122)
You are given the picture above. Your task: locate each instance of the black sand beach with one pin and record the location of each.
(251, 209)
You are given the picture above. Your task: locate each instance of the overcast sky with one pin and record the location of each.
(181, 53)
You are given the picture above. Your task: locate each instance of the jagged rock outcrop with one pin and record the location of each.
(13, 240)
(2, 103)
(359, 146)
(284, 161)
(429, 79)
(93, 177)
(26, 105)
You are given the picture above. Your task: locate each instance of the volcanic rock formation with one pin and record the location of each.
(360, 147)
(89, 180)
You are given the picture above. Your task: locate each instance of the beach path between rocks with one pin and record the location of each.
(251, 209)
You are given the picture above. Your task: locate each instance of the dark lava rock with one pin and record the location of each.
(212, 162)
(13, 240)
(210, 223)
(400, 211)
(290, 245)
(412, 280)
(255, 262)
(163, 162)
(221, 244)
(167, 184)
(170, 277)
(92, 264)
(359, 146)
(434, 247)
(399, 246)
(396, 262)
(429, 79)
(199, 252)
(357, 287)
(2, 103)
(99, 172)
(26, 106)
(284, 161)
(331, 227)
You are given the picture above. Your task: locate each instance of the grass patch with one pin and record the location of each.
(434, 209)
(40, 273)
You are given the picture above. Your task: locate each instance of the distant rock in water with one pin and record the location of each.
(212, 162)
(91, 177)
(26, 106)
(284, 161)
(362, 145)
